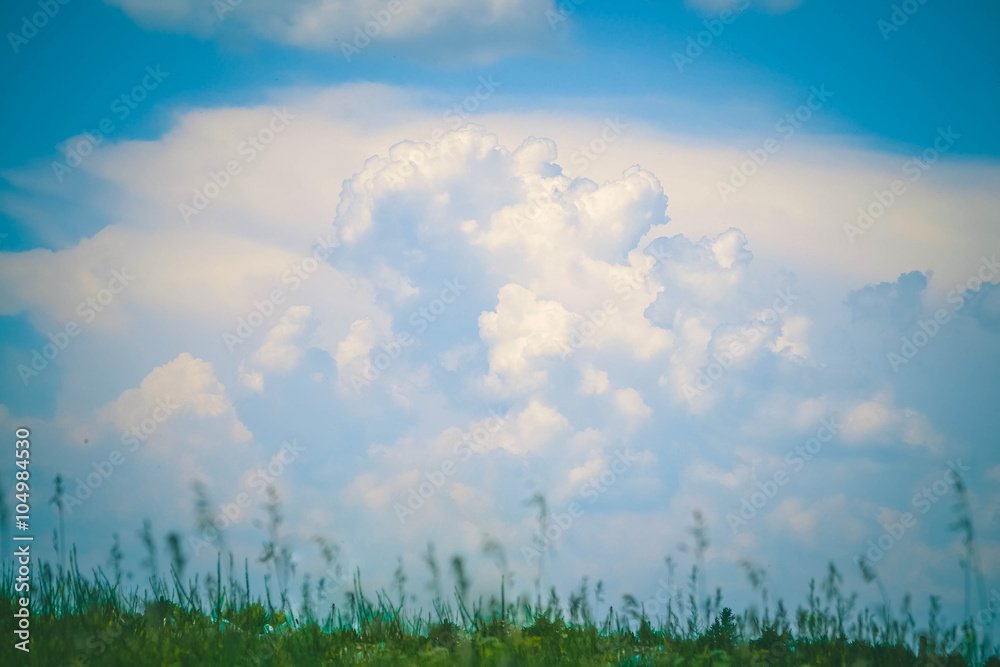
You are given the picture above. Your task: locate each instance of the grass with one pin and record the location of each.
(218, 620)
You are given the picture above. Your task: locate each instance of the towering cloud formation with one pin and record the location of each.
(450, 326)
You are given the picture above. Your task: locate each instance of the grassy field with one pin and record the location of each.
(217, 618)
(79, 620)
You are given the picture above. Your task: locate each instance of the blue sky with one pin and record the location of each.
(936, 70)
(590, 250)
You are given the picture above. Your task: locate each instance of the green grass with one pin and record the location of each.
(217, 620)
(80, 620)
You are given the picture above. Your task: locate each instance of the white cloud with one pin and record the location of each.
(867, 419)
(470, 499)
(187, 383)
(701, 472)
(522, 329)
(593, 381)
(532, 430)
(352, 352)
(253, 380)
(367, 489)
(458, 355)
(794, 336)
(533, 285)
(480, 30)
(801, 518)
(279, 351)
(630, 404)
(393, 281)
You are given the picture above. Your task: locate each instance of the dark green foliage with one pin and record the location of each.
(82, 622)
(723, 633)
(444, 635)
(214, 620)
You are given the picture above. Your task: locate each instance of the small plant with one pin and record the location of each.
(723, 634)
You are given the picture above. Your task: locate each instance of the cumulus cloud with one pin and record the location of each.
(630, 404)
(593, 381)
(725, 319)
(879, 420)
(586, 313)
(532, 429)
(352, 352)
(521, 329)
(897, 303)
(251, 379)
(565, 249)
(184, 385)
(279, 351)
(794, 336)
